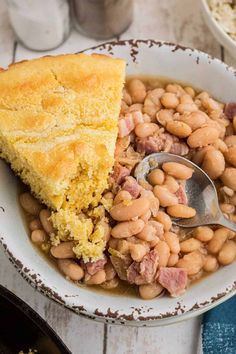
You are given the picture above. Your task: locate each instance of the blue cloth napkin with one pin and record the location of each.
(219, 329)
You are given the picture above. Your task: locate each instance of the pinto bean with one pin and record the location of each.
(203, 233)
(164, 253)
(210, 264)
(121, 196)
(152, 103)
(230, 155)
(164, 219)
(38, 236)
(156, 176)
(219, 238)
(171, 184)
(179, 129)
(110, 284)
(230, 140)
(145, 217)
(185, 98)
(181, 211)
(127, 98)
(195, 119)
(203, 137)
(96, 279)
(186, 107)
(172, 241)
(190, 245)
(63, 250)
(150, 291)
(148, 233)
(166, 198)
(200, 154)
(137, 91)
(30, 204)
(164, 116)
(169, 100)
(228, 177)
(173, 259)
(228, 253)
(44, 216)
(71, 269)
(177, 170)
(127, 228)
(190, 91)
(175, 88)
(213, 163)
(192, 262)
(137, 252)
(144, 130)
(227, 208)
(135, 208)
(35, 225)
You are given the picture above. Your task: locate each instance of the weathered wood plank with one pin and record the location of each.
(174, 339)
(7, 37)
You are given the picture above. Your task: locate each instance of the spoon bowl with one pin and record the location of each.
(200, 190)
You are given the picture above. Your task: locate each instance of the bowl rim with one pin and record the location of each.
(112, 317)
(206, 9)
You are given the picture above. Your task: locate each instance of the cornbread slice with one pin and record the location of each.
(58, 125)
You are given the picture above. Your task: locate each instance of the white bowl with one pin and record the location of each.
(143, 57)
(217, 31)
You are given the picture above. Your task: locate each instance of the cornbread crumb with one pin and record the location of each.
(81, 230)
(107, 203)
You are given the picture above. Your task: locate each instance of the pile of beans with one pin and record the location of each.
(143, 247)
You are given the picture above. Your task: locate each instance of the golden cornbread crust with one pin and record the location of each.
(58, 126)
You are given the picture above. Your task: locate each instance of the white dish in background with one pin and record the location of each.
(217, 31)
(144, 57)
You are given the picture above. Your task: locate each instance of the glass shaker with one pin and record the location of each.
(40, 25)
(102, 19)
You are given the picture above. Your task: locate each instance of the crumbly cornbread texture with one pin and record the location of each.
(58, 127)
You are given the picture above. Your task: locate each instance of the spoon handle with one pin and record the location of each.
(227, 223)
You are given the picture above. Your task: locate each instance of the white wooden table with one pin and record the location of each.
(173, 20)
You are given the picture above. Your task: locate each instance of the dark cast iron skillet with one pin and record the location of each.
(21, 328)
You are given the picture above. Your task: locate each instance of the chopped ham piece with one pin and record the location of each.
(162, 142)
(173, 279)
(143, 272)
(148, 266)
(133, 274)
(131, 185)
(119, 173)
(121, 265)
(150, 144)
(125, 125)
(94, 267)
(179, 149)
(230, 110)
(181, 195)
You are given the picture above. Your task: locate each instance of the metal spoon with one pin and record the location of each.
(200, 190)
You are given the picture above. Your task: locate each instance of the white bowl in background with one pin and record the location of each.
(217, 31)
(144, 57)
